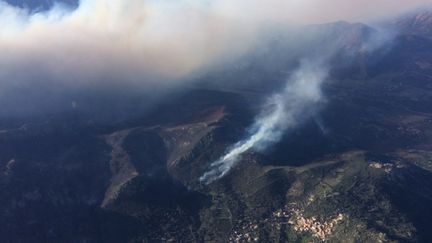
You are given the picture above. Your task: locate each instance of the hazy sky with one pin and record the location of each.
(318, 11)
(153, 40)
(306, 10)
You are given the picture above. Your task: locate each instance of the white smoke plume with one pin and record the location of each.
(283, 111)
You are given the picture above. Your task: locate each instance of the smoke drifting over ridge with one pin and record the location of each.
(145, 41)
(288, 109)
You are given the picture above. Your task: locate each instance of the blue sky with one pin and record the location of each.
(38, 4)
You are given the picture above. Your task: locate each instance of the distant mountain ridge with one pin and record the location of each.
(419, 23)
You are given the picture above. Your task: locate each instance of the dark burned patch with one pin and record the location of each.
(147, 152)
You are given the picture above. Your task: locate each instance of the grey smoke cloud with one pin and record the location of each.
(282, 112)
(153, 40)
(118, 40)
(147, 43)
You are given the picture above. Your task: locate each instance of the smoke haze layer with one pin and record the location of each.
(151, 41)
(151, 45)
(282, 112)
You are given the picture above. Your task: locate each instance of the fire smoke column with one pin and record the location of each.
(283, 111)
